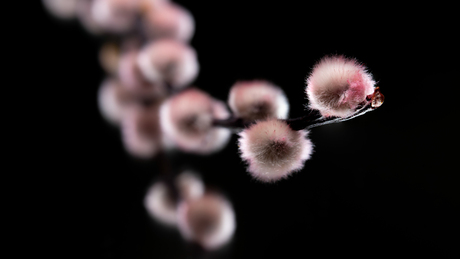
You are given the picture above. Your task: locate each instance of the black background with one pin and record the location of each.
(384, 184)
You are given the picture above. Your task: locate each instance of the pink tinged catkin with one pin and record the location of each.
(190, 185)
(134, 81)
(85, 16)
(187, 117)
(208, 220)
(273, 150)
(62, 9)
(111, 100)
(164, 19)
(128, 70)
(337, 85)
(161, 206)
(117, 16)
(141, 132)
(169, 61)
(258, 100)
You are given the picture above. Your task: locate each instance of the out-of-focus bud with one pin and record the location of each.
(144, 4)
(85, 16)
(273, 150)
(141, 132)
(159, 200)
(163, 19)
(116, 16)
(129, 72)
(187, 119)
(258, 100)
(160, 204)
(209, 221)
(190, 185)
(109, 56)
(169, 61)
(112, 100)
(62, 9)
(135, 82)
(338, 85)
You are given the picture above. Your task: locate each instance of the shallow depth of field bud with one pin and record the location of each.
(337, 85)
(273, 150)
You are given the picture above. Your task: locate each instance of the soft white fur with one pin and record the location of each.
(255, 145)
(337, 85)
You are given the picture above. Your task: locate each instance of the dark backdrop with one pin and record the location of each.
(384, 184)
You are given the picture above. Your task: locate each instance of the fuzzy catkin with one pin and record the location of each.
(258, 100)
(273, 150)
(187, 117)
(169, 61)
(337, 85)
(158, 200)
(208, 220)
(164, 19)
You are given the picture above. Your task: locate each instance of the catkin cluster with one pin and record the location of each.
(149, 94)
(149, 91)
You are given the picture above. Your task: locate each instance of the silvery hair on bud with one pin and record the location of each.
(273, 150)
(337, 85)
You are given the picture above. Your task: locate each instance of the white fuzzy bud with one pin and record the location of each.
(187, 120)
(162, 207)
(258, 100)
(63, 9)
(273, 150)
(338, 85)
(169, 61)
(209, 221)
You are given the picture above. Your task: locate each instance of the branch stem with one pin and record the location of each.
(312, 119)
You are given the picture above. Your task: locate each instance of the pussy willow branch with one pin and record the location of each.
(309, 121)
(232, 122)
(312, 119)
